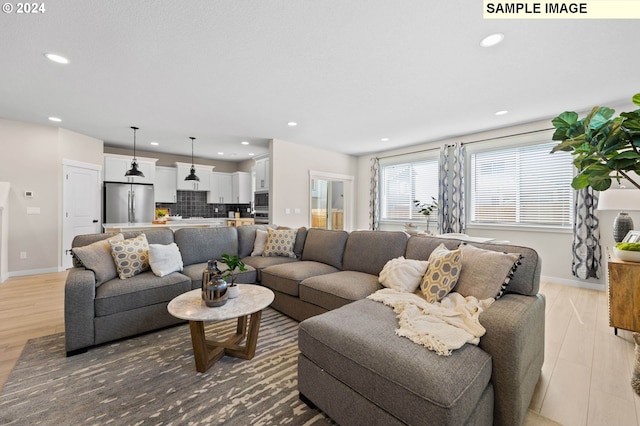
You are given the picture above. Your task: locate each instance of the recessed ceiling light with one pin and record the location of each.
(251, 154)
(56, 58)
(292, 124)
(220, 153)
(492, 40)
(244, 143)
(384, 140)
(56, 119)
(503, 112)
(154, 143)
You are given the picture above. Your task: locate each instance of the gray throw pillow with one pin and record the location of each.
(485, 273)
(97, 258)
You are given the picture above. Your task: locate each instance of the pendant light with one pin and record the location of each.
(192, 173)
(134, 164)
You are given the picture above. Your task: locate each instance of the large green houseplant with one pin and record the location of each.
(604, 147)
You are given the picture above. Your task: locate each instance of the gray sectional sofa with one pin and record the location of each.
(351, 363)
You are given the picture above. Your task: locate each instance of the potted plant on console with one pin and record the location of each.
(234, 267)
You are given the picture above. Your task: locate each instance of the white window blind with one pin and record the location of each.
(402, 183)
(522, 185)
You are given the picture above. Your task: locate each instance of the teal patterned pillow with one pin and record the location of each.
(280, 242)
(131, 256)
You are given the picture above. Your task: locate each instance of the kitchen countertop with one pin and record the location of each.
(172, 224)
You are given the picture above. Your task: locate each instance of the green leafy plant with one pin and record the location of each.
(160, 213)
(426, 208)
(604, 147)
(234, 267)
(628, 246)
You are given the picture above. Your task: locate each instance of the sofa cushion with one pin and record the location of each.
(259, 243)
(442, 273)
(326, 246)
(403, 274)
(97, 258)
(165, 259)
(198, 245)
(485, 273)
(358, 346)
(369, 251)
(286, 277)
(246, 238)
(280, 242)
(260, 262)
(139, 291)
(331, 291)
(131, 256)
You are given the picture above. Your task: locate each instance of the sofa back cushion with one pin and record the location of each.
(326, 246)
(369, 251)
(526, 279)
(247, 237)
(198, 245)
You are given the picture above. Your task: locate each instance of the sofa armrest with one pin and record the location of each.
(515, 340)
(79, 312)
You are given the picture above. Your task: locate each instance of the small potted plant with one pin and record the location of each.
(161, 215)
(234, 267)
(426, 209)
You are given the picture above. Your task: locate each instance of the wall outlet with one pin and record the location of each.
(287, 211)
(23, 255)
(248, 209)
(215, 210)
(296, 210)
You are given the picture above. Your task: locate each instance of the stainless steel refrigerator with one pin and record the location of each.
(128, 203)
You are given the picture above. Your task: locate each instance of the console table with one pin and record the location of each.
(623, 292)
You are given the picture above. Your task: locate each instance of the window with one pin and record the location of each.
(403, 182)
(521, 185)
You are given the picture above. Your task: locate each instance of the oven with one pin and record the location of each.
(261, 207)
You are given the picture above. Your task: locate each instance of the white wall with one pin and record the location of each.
(32, 161)
(290, 165)
(553, 247)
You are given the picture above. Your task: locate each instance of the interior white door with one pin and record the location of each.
(81, 205)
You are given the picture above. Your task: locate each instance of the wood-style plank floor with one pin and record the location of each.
(585, 378)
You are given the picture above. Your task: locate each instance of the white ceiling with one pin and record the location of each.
(350, 72)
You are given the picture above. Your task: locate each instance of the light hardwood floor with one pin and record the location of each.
(585, 378)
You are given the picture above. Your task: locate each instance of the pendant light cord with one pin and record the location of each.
(134, 142)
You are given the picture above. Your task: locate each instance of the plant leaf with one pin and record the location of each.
(565, 120)
(636, 99)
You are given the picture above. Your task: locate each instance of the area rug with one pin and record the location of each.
(152, 380)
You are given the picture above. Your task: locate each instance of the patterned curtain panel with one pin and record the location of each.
(451, 189)
(586, 235)
(374, 203)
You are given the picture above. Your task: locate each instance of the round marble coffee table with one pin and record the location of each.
(247, 308)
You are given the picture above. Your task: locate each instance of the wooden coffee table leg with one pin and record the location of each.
(204, 355)
(208, 352)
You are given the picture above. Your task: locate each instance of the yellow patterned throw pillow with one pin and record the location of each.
(131, 256)
(280, 242)
(442, 273)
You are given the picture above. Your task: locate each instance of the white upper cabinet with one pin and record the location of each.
(166, 184)
(241, 185)
(262, 174)
(115, 167)
(203, 172)
(221, 191)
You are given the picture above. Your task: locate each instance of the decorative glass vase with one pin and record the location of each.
(621, 226)
(210, 272)
(215, 292)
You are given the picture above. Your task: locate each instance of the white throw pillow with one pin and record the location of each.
(165, 259)
(261, 240)
(403, 274)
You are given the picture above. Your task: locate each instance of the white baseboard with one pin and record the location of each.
(574, 283)
(33, 272)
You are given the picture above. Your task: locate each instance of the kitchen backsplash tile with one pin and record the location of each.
(194, 204)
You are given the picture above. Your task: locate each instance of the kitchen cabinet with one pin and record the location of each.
(115, 167)
(203, 172)
(262, 174)
(623, 293)
(220, 188)
(166, 185)
(241, 187)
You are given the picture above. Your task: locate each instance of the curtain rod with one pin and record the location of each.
(509, 136)
(470, 142)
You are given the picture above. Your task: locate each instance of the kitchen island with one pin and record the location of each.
(171, 224)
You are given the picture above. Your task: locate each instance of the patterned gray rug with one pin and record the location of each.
(151, 380)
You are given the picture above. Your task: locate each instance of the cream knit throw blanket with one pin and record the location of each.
(441, 326)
